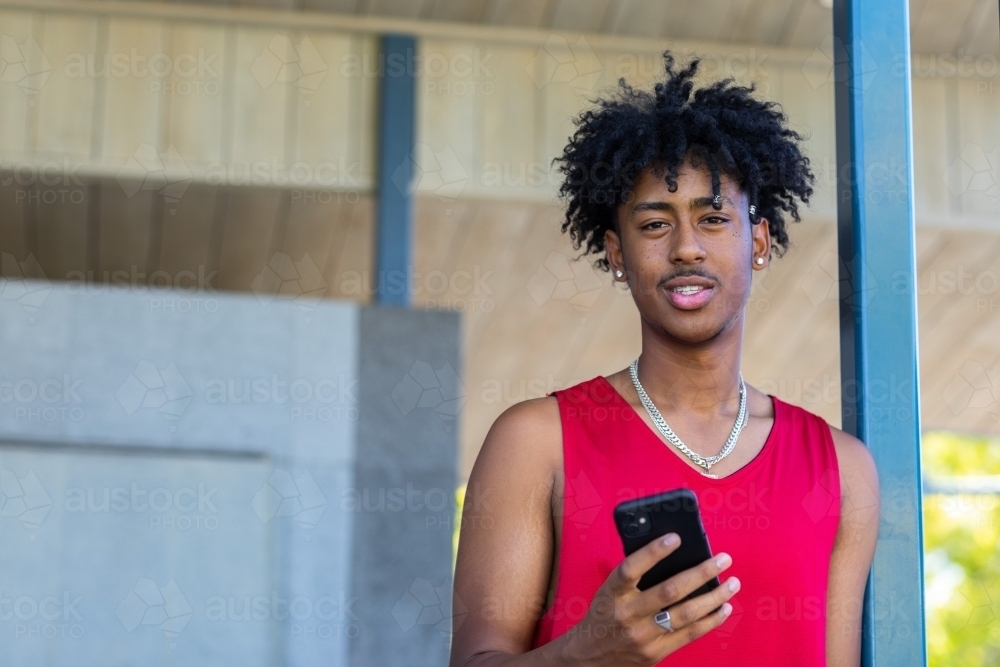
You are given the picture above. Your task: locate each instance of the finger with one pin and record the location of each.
(687, 613)
(630, 570)
(674, 589)
(699, 628)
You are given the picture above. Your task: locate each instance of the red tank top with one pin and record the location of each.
(777, 517)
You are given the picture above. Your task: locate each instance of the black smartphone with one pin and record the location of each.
(643, 520)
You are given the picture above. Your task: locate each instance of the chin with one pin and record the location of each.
(693, 333)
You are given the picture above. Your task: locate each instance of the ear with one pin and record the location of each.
(761, 234)
(613, 253)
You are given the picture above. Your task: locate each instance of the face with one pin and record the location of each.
(688, 265)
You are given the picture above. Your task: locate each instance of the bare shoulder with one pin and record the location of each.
(853, 455)
(858, 476)
(536, 417)
(526, 437)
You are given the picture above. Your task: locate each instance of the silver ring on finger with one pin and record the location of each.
(663, 620)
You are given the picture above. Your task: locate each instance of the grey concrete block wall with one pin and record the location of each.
(174, 470)
(405, 476)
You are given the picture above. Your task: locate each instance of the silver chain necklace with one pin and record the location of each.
(665, 430)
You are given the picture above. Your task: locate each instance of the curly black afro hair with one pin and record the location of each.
(720, 127)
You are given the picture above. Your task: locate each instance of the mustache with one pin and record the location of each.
(686, 273)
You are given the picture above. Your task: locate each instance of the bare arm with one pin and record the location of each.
(853, 550)
(505, 555)
(506, 543)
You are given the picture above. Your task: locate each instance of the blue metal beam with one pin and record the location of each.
(394, 206)
(878, 309)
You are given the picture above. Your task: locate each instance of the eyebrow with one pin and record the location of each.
(696, 203)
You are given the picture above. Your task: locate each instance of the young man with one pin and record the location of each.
(681, 194)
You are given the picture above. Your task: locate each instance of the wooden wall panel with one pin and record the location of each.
(314, 226)
(959, 286)
(198, 96)
(248, 231)
(509, 132)
(351, 253)
(364, 112)
(323, 106)
(185, 232)
(930, 148)
(133, 102)
(13, 234)
(809, 105)
(261, 104)
(978, 134)
(18, 97)
(66, 102)
(62, 231)
(124, 229)
(449, 130)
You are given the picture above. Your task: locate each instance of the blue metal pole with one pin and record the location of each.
(393, 205)
(878, 309)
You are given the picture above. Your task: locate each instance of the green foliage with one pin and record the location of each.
(962, 555)
(459, 504)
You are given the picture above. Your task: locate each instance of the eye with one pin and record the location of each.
(654, 224)
(716, 220)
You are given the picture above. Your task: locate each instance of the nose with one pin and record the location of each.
(686, 246)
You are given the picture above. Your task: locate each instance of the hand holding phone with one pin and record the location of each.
(642, 520)
(619, 627)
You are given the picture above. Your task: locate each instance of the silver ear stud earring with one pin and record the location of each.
(753, 209)
(759, 261)
(618, 274)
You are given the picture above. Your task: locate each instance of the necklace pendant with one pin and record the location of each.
(708, 474)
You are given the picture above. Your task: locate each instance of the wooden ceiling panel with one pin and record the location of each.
(406, 9)
(643, 18)
(465, 11)
(337, 6)
(985, 35)
(937, 26)
(525, 13)
(758, 22)
(940, 26)
(814, 23)
(573, 16)
(673, 23)
(703, 20)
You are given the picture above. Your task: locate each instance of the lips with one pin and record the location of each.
(689, 293)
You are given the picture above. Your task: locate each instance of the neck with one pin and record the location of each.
(701, 378)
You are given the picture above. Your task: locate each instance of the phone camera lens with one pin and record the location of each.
(637, 523)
